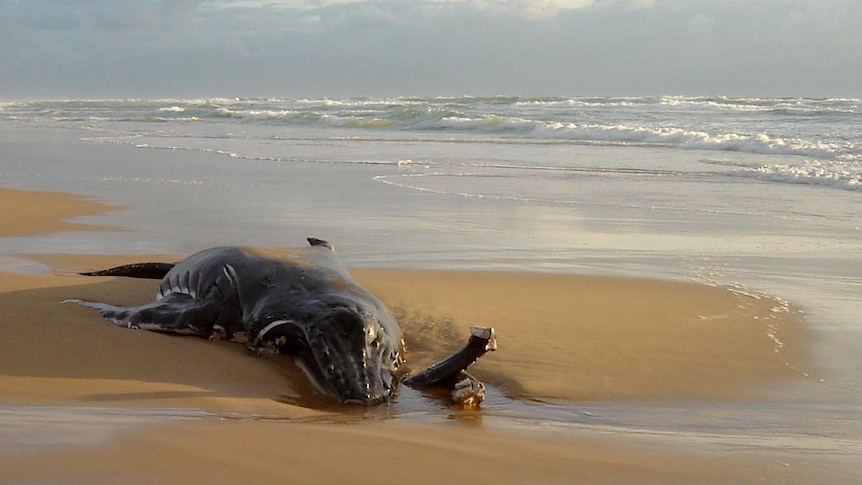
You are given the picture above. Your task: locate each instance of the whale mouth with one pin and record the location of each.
(350, 357)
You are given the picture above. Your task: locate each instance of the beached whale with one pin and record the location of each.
(298, 301)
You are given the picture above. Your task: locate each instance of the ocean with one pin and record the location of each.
(675, 186)
(782, 140)
(762, 195)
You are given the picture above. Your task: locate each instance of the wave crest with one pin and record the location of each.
(826, 131)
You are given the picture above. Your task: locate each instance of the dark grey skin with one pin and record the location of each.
(300, 302)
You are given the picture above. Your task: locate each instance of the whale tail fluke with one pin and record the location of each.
(153, 271)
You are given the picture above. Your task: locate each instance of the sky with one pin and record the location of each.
(338, 48)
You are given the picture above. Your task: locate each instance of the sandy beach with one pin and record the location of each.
(23, 213)
(599, 377)
(229, 417)
(656, 205)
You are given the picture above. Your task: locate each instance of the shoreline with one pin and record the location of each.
(711, 345)
(66, 356)
(25, 213)
(645, 330)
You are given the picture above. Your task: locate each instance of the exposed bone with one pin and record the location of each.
(468, 393)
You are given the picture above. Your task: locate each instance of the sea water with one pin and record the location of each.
(810, 141)
(760, 194)
(538, 183)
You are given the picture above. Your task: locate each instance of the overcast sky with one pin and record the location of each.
(197, 48)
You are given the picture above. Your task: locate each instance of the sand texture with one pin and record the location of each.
(23, 212)
(569, 338)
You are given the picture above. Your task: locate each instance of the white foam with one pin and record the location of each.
(821, 130)
(840, 175)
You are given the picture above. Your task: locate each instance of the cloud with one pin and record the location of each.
(340, 47)
(527, 9)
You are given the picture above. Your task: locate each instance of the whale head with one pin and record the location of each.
(350, 350)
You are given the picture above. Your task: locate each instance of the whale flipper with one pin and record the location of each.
(177, 313)
(152, 271)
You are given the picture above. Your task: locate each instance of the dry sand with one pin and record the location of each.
(561, 337)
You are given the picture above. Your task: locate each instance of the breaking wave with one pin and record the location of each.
(818, 141)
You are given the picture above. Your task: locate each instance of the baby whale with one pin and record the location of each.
(296, 301)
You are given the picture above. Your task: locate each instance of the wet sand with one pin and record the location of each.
(23, 212)
(573, 338)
